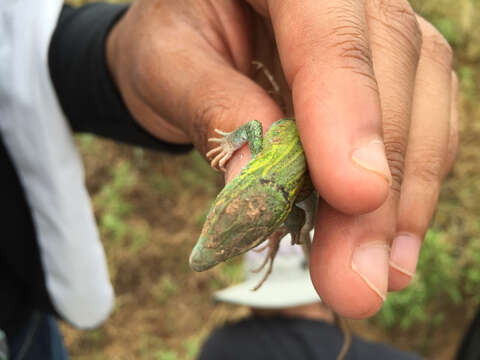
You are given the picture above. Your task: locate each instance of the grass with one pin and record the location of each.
(165, 289)
(436, 282)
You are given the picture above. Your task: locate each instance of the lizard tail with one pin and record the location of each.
(342, 324)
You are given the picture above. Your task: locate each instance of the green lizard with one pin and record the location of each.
(261, 202)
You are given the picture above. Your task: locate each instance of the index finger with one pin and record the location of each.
(325, 54)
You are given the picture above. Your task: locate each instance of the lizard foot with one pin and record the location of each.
(222, 153)
(272, 245)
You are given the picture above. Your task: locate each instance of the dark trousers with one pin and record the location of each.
(39, 339)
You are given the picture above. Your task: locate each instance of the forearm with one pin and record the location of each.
(84, 87)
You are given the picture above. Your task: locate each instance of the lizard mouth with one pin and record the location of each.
(202, 258)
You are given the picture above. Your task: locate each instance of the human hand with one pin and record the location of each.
(363, 73)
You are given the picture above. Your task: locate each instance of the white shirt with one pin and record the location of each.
(41, 146)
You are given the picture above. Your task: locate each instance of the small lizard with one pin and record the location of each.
(262, 201)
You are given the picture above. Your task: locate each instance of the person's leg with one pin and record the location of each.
(3, 346)
(39, 339)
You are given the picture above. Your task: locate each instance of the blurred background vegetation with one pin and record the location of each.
(150, 208)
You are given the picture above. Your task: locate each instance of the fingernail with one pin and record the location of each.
(405, 251)
(372, 158)
(370, 261)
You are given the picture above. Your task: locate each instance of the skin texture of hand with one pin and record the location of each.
(375, 103)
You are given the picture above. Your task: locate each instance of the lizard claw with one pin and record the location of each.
(273, 244)
(218, 163)
(223, 152)
(223, 133)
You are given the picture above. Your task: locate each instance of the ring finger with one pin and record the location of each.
(430, 154)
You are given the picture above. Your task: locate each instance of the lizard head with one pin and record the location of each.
(244, 214)
(208, 252)
(202, 258)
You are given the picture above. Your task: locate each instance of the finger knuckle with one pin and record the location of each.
(349, 44)
(395, 152)
(352, 48)
(427, 165)
(209, 111)
(395, 139)
(400, 20)
(341, 41)
(349, 38)
(434, 46)
(346, 40)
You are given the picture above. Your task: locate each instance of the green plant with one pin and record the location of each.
(198, 174)
(232, 270)
(191, 346)
(86, 143)
(449, 29)
(436, 282)
(166, 355)
(164, 289)
(162, 184)
(111, 204)
(468, 83)
(140, 235)
(471, 256)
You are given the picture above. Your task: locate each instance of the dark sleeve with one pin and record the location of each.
(470, 346)
(84, 86)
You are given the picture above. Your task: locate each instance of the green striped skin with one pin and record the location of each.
(255, 203)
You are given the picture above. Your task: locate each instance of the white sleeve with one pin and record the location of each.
(39, 141)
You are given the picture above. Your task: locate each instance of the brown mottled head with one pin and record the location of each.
(236, 225)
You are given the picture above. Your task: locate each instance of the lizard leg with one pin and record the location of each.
(273, 245)
(229, 142)
(294, 223)
(309, 206)
(301, 221)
